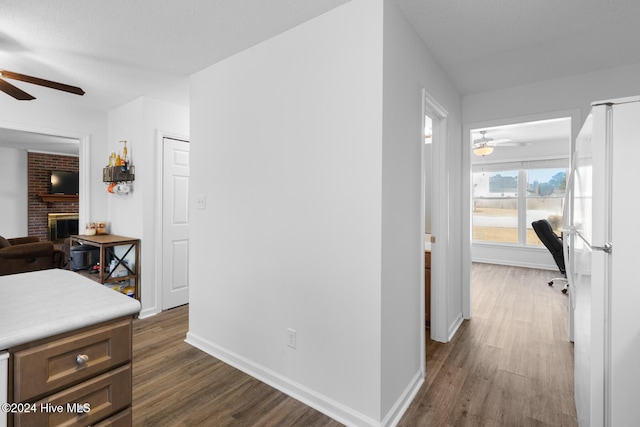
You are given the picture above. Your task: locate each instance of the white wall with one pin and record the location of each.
(313, 209)
(134, 214)
(13, 192)
(286, 145)
(42, 116)
(408, 68)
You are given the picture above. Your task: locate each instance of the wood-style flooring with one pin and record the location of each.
(511, 365)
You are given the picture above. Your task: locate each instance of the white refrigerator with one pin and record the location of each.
(602, 253)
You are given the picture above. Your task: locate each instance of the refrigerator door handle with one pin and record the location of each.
(607, 248)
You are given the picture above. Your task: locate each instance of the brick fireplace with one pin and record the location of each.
(40, 166)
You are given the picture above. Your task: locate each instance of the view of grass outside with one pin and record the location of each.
(496, 199)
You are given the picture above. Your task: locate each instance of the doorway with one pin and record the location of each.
(435, 207)
(16, 137)
(175, 223)
(427, 159)
(514, 173)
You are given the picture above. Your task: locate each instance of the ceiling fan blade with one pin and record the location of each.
(42, 82)
(11, 90)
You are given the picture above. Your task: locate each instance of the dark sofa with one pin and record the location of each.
(24, 254)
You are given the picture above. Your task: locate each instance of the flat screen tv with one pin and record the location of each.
(63, 182)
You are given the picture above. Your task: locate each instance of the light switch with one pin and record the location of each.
(201, 201)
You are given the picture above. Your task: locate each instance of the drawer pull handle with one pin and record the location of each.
(82, 359)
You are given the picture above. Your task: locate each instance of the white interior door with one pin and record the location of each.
(175, 223)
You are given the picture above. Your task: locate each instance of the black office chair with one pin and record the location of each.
(545, 233)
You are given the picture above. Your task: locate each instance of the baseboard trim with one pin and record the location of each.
(402, 404)
(309, 397)
(512, 263)
(149, 312)
(454, 327)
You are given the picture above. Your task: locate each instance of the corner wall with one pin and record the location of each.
(134, 214)
(307, 150)
(408, 69)
(286, 145)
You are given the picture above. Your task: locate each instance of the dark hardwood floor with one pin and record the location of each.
(511, 365)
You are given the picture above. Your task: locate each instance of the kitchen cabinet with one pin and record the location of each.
(65, 350)
(74, 379)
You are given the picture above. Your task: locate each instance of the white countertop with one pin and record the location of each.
(44, 303)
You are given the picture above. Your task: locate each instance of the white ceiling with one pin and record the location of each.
(529, 132)
(118, 50)
(493, 44)
(38, 142)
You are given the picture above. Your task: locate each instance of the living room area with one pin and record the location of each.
(41, 207)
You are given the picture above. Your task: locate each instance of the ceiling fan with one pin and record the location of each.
(484, 145)
(21, 95)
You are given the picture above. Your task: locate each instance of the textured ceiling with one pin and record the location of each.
(492, 44)
(117, 50)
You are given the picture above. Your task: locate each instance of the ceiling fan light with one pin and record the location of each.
(483, 150)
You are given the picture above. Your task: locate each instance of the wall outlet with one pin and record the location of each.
(291, 338)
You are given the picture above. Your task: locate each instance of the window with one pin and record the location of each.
(507, 199)
(545, 198)
(495, 206)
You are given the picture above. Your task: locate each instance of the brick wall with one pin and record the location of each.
(40, 167)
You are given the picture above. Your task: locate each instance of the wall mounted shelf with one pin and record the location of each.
(55, 198)
(116, 174)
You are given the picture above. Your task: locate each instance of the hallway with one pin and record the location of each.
(510, 365)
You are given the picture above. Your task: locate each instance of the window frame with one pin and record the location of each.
(521, 167)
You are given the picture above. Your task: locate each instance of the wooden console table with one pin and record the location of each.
(107, 243)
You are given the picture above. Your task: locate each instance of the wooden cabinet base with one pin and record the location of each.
(77, 378)
(427, 288)
(121, 419)
(83, 404)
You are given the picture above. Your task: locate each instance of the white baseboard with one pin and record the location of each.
(514, 263)
(454, 327)
(148, 312)
(402, 404)
(317, 401)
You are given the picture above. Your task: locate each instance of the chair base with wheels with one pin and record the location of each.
(565, 288)
(553, 243)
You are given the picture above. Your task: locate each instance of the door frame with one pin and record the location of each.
(160, 136)
(84, 157)
(439, 222)
(467, 196)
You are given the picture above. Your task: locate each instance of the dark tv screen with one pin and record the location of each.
(65, 182)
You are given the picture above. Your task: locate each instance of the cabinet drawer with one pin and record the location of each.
(103, 395)
(53, 365)
(121, 419)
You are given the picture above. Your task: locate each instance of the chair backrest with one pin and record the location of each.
(553, 243)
